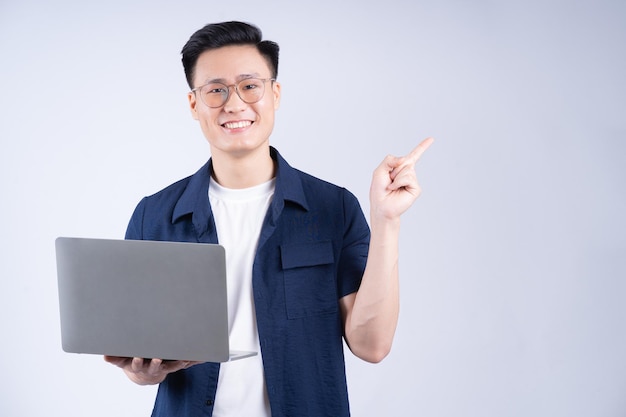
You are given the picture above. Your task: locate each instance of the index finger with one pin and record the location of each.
(417, 152)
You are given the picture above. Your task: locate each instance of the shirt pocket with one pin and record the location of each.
(308, 270)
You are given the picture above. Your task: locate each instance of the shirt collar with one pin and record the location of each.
(195, 198)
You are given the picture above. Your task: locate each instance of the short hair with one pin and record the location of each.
(217, 35)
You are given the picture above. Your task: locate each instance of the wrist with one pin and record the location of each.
(385, 225)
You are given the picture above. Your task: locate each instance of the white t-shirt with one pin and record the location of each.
(239, 215)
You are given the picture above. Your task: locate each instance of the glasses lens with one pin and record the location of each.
(214, 94)
(251, 90)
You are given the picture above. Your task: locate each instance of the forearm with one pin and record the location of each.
(372, 317)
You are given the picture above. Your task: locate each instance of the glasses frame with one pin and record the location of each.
(236, 88)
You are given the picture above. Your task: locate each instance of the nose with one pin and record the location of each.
(234, 103)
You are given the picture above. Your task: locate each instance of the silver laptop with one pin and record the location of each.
(138, 298)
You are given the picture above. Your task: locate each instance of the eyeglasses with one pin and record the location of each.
(249, 90)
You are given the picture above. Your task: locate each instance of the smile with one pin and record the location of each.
(237, 125)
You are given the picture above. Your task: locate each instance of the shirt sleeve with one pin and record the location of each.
(134, 231)
(355, 246)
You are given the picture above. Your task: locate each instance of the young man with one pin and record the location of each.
(303, 270)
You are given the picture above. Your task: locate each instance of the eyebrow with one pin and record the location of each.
(237, 78)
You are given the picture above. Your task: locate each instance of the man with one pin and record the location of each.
(303, 270)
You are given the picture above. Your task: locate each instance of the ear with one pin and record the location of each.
(276, 90)
(193, 103)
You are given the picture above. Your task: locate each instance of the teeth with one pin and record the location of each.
(237, 125)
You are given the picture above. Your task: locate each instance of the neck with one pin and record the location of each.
(242, 171)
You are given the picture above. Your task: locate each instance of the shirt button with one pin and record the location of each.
(209, 402)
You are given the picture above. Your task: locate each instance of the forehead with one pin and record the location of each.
(229, 62)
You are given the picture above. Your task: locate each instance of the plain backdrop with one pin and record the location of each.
(513, 260)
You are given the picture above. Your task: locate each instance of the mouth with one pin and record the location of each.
(237, 125)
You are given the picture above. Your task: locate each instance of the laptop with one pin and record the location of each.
(148, 299)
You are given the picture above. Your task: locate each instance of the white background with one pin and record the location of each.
(513, 261)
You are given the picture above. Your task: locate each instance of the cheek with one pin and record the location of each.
(268, 115)
(267, 109)
(206, 117)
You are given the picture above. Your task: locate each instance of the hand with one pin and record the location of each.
(394, 184)
(148, 371)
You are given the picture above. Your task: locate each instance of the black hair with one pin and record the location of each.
(217, 35)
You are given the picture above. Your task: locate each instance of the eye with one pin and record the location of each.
(249, 85)
(214, 89)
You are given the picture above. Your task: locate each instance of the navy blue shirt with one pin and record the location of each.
(312, 251)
